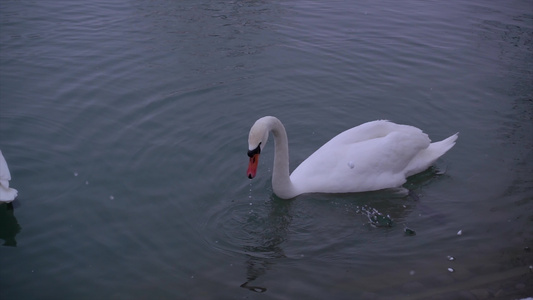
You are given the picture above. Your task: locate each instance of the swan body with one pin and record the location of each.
(7, 194)
(372, 156)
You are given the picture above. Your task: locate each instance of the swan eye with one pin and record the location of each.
(257, 150)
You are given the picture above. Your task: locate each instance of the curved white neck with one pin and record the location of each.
(281, 181)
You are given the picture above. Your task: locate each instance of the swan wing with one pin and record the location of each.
(368, 157)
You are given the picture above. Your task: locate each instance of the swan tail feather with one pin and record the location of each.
(444, 145)
(428, 156)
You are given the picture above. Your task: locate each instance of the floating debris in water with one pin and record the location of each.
(86, 182)
(409, 231)
(75, 174)
(460, 232)
(412, 272)
(451, 270)
(450, 258)
(256, 289)
(111, 197)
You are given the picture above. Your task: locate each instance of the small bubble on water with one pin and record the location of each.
(75, 173)
(251, 203)
(86, 182)
(451, 270)
(192, 276)
(412, 272)
(111, 197)
(450, 258)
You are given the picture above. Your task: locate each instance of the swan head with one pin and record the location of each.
(256, 141)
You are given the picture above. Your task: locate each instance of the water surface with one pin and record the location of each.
(125, 128)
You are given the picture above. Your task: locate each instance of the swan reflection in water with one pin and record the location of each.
(270, 232)
(9, 227)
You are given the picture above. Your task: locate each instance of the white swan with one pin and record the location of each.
(372, 156)
(7, 194)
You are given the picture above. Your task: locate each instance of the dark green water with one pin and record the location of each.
(125, 126)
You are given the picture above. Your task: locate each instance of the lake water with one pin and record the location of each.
(125, 127)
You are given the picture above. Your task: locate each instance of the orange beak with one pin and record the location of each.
(252, 167)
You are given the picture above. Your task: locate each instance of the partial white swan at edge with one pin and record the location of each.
(7, 194)
(372, 156)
